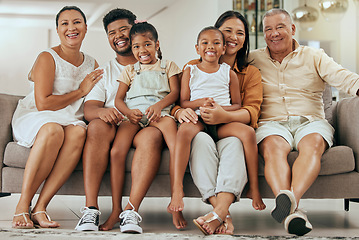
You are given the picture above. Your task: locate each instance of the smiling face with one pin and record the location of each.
(71, 28)
(118, 36)
(210, 45)
(278, 34)
(234, 33)
(144, 48)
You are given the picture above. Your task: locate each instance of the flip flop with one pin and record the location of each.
(214, 217)
(26, 221)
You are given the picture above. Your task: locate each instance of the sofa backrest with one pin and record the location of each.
(328, 104)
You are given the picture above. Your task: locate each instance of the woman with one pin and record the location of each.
(49, 119)
(211, 163)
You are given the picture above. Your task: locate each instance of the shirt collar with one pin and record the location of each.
(236, 70)
(296, 49)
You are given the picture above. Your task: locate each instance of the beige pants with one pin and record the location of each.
(218, 167)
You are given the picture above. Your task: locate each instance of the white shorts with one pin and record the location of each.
(294, 129)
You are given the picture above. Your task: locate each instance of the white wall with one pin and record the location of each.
(18, 50)
(178, 27)
(180, 24)
(342, 36)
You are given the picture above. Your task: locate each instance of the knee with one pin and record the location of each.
(274, 148)
(78, 134)
(313, 143)
(202, 142)
(149, 138)
(97, 130)
(185, 132)
(52, 133)
(117, 155)
(249, 134)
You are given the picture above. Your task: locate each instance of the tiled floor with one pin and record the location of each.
(327, 216)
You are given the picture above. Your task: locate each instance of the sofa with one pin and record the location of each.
(338, 178)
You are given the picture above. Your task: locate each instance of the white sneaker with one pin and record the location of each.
(285, 204)
(130, 222)
(298, 223)
(89, 221)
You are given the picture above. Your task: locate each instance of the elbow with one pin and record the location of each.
(41, 106)
(236, 106)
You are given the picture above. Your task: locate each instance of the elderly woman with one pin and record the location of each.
(49, 119)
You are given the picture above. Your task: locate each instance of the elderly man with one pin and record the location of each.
(292, 115)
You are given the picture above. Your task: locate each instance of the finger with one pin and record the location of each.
(150, 113)
(108, 120)
(96, 80)
(114, 119)
(151, 117)
(189, 118)
(193, 114)
(184, 119)
(138, 113)
(103, 119)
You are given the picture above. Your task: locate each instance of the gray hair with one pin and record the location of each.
(276, 11)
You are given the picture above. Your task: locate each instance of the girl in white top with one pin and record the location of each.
(204, 85)
(49, 119)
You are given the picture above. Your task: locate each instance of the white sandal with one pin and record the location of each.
(37, 222)
(26, 221)
(214, 217)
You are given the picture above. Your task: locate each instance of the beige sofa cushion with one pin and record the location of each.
(336, 160)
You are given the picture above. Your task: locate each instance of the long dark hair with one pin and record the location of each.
(69, 8)
(145, 27)
(242, 54)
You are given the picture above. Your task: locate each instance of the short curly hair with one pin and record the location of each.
(116, 14)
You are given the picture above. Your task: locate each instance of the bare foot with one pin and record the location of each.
(208, 227)
(22, 220)
(257, 201)
(41, 218)
(111, 221)
(176, 204)
(178, 220)
(226, 227)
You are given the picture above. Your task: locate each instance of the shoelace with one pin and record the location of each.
(131, 216)
(90, 214)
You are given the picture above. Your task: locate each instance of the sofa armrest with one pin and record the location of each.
(8, 105)
(347, 115)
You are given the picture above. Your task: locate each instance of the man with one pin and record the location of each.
(103, 119)
(292, 114)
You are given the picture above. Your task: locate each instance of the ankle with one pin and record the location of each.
(92, 207)
(222, 213)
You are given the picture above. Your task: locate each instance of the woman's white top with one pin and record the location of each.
(27, 120)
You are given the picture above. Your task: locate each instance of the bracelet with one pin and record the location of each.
(177, 112)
